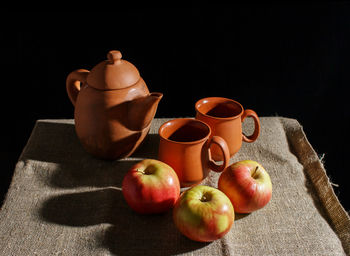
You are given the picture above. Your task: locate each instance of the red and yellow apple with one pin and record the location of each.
(151, 186)
(247, 184)
(203, 213)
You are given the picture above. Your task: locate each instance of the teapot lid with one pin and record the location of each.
(113, 73)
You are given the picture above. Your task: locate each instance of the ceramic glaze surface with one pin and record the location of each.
(112, 113)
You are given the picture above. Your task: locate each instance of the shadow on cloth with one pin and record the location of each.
(89, 171)
(132, 235)
(129, 233)
(74, 167)
(60, 144)
(92, 174)
(101, 173)
(239, 216)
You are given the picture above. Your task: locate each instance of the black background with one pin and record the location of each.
(289, 60)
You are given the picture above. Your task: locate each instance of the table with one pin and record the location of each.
(63, 201)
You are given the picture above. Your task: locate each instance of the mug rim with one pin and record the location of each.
(161, 128)
(222, 99)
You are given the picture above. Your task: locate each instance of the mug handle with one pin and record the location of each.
(225, 151)
(255, 135)
(73, 83)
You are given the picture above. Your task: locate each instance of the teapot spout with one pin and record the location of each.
(141, 111)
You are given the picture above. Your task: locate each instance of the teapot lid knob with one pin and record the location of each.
(114, 56)
(113, 73)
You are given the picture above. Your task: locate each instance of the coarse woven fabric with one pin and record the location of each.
(62, 201)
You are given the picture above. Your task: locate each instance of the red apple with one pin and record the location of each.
(203, 214)
(151, 186)
(247, 184)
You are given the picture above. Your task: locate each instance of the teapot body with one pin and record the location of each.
(101, 121)
(113, 107)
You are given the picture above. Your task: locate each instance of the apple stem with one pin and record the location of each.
(255, 171)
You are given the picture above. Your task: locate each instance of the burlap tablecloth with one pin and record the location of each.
(62, 201)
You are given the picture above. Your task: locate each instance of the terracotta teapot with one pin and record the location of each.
(113, 107)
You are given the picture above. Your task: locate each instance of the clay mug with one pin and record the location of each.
(225, 118)
(185, 146)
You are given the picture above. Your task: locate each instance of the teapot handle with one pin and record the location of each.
(74, 80)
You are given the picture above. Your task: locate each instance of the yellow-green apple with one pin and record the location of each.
(203, 213)
(151, 186)
(247, 184)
